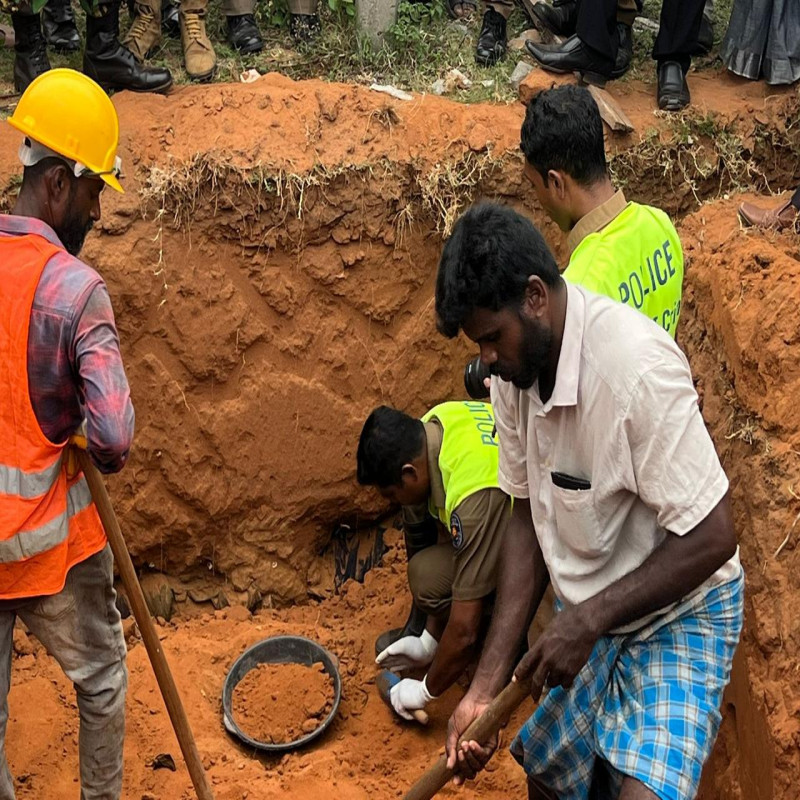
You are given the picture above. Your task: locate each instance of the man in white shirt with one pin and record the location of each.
(620, 502)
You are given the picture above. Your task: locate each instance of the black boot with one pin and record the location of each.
(624, 57)
(113, 66)
(492, 41)
(560, 20)
(30, 50)
(58, 22)
(244, 35)
(170, 19)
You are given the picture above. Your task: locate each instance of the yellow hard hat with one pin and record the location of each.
(69, 113)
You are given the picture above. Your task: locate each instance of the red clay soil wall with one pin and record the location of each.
(264, 313)
(741, 331)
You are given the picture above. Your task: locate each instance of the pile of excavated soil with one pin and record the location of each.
(366, 754)
(272, 268)
(278, 703)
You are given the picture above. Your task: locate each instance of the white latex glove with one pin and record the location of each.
(408, 653)
(408, 696)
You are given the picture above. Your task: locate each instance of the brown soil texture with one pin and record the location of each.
(272, 267)
(366, 754)
(279, 703)
(741, 332)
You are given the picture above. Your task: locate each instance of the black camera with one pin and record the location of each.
(474, 374)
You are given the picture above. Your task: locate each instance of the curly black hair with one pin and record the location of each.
(563, 131)
(486, 263)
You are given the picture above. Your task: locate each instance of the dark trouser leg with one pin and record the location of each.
(796, 198)
(678, 31)
(597, 26)
(80, 627)
(7, 619)
(30, 48)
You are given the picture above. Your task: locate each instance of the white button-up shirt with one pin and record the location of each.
(623, 420)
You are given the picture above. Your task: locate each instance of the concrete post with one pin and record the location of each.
(375, 17)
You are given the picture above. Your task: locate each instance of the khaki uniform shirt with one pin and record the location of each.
(596, 219)
(484, 516)
(623, 418)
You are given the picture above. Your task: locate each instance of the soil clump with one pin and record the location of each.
(279, 703)
(264, 311)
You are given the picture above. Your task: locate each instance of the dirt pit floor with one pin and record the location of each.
(272, 267)
(279, 703)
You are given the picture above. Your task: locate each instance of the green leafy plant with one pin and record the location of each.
(412, 33)
(347, 7)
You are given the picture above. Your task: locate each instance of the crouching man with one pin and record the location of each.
(620, 502)
(442, 468)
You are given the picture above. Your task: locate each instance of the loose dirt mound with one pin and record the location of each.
(366, 754)
(278, 703)
(272, 272)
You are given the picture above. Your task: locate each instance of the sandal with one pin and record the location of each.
(469, 7)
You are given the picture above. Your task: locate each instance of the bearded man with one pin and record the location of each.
(620, 503)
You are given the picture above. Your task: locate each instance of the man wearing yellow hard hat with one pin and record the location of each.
(105, 59)
(62, 381)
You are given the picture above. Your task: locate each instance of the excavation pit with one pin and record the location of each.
(265, 310)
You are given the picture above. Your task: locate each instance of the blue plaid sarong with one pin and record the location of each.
(647, 703)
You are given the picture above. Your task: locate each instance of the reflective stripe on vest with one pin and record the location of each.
(28, 484)
(30, 543)
(49, 523)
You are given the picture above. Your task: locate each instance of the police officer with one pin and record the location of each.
(626, 251)
(442, 468)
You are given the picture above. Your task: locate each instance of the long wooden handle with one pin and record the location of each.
(141, 613)
(481, 730)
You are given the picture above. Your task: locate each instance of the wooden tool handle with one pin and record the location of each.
(481, 730)
(420, 716)
(141, 613)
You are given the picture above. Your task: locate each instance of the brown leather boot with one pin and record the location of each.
(778, 218)
(201, 60)
(144, 35)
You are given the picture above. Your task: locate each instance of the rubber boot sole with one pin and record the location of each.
(204, 78)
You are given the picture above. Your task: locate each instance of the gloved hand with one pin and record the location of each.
(408, 653)
(77, 440)
(409, 695)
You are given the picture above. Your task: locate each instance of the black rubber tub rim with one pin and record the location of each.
(280, 650)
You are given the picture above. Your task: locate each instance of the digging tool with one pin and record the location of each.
(166, 684)
(385, 680)
(481, 730)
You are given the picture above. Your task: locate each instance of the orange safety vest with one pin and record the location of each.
(47, 522)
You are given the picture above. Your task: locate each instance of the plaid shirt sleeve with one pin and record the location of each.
(75, 367)
(106, 394)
